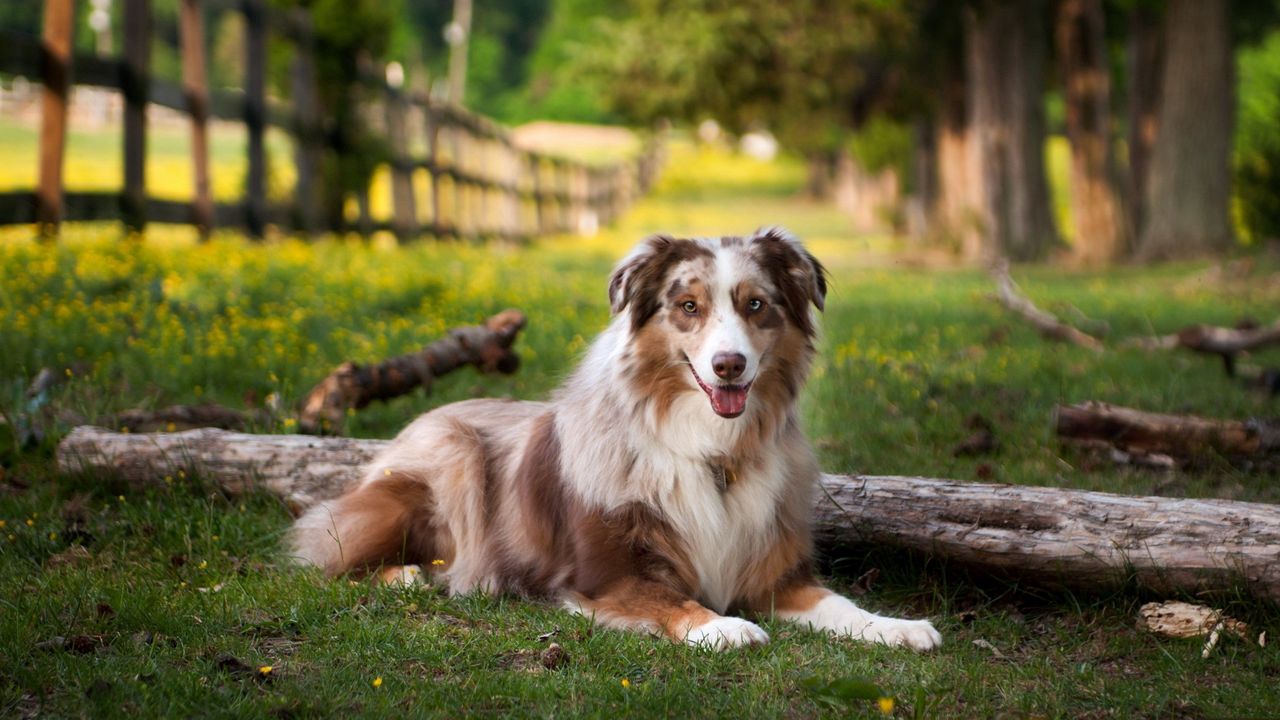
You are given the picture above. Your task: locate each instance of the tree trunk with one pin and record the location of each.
(820, 181)
(871, 201)
(1189, 186)
(1145, 59)
(956, 217)
(1064, 537)
(1086, 81)
(1004, 47)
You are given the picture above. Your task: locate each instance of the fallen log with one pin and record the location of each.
(1214, 340)
(1184, 437)
(1009, 295)
(488, 347)
(1061, 537)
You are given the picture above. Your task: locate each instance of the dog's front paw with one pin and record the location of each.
(916, 634)
(402, 575)
(723, 633)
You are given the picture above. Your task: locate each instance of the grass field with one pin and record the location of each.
(180, 597)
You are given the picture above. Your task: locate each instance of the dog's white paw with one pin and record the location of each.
(916, 634)
(723, 633)
(402, 575)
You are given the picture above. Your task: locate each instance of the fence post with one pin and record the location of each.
(535, 191)
(307, 128)
(55, 70)
(429, 112)
(404, 211)
(136, 79)
(255, 114)
(196, 89)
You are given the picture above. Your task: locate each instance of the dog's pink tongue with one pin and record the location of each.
(728, 402)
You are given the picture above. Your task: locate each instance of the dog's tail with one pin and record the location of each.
(385, 521)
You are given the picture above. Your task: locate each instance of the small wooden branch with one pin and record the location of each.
(1184, 437)
(1061, 537)
(1010, 296)
(488, 347)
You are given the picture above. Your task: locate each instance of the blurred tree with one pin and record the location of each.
(556, 88)
(809, 71)
(1256, 161)
(503, 37)
(349, 34)
(1004, 48)
(1096, 206)
(1144, 59)
(1188, 189)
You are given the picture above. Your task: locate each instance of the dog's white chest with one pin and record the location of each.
(722, 530)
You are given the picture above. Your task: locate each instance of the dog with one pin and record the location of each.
(664, 485)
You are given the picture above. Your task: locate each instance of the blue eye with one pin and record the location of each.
(755, 305)
(689, 306)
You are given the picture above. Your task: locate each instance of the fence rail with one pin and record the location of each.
(479, 184)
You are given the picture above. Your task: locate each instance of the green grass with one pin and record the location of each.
(907, 355)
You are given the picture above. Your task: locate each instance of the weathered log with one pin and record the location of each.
(1063, 537)
(1010, 296)
(488, 347)
(1186, 437)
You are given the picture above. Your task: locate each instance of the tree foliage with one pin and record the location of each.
(802, 69)
(1256, 162)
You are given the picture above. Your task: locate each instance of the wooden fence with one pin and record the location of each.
(478, 183)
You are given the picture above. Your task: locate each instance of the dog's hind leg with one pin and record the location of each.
(379, 524)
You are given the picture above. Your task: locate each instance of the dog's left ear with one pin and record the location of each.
(797, 272)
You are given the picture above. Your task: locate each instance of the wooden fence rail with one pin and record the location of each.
(479, 184)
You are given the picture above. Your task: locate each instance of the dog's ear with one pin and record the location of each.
(636, 269)
(797, 273)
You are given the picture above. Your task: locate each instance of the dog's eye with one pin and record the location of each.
(755, 305)
(689, 306)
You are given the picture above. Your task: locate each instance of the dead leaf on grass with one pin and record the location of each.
(70, 556)
(863, 584)
(554, 657)
(986, 645)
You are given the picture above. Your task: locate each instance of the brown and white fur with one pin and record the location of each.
(666, 484)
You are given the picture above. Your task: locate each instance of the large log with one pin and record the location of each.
(1068, 538)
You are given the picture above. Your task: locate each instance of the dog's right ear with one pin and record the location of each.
(634, 269)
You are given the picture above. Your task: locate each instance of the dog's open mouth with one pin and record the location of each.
(728, 401)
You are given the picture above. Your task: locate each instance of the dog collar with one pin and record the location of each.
(723, 475)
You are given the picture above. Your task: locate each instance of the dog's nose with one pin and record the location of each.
(728, 366)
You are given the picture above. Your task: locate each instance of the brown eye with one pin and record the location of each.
(755, 305)
(690, 307)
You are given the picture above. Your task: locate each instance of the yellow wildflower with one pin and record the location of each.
(886, 705)
(204, 564)
(265, 670)
(377, 682)
(437, 562)
(626, 682)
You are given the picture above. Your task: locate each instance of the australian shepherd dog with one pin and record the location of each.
(664, 486)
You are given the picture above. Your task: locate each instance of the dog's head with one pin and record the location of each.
(723, 314)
